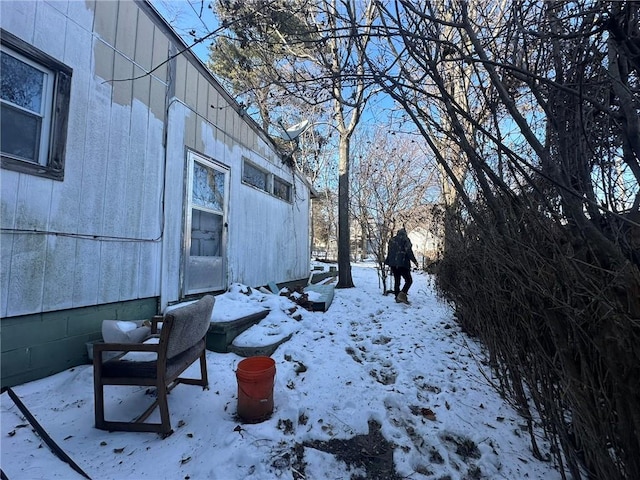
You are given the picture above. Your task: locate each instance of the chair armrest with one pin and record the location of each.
(154, 323)
(126, 347)
(122, 349)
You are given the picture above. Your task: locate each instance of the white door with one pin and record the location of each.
(205, 226)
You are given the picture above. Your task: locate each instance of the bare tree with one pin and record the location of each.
(540, 100)
(394, 185)
(317, 62)
(325, 225)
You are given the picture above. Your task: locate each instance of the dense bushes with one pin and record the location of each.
(560, 317)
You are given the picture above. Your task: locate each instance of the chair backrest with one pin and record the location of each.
(189, 324)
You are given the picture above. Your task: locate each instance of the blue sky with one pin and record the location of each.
(186, 16)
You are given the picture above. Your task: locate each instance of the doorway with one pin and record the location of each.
(205, 268)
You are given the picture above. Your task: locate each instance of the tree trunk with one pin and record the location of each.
(344, 244)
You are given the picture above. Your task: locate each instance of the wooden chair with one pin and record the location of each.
(182, 341)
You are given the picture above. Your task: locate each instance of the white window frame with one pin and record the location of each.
(44, 114)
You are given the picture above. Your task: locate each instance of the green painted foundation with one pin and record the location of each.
(39, 345)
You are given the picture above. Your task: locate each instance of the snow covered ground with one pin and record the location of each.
(369, 380)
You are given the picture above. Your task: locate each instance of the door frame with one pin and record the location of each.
(196, 157)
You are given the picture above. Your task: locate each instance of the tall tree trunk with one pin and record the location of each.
(344, 247)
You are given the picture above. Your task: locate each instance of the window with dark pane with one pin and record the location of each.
(34, 109)
(281, 189)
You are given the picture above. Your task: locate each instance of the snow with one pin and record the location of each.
(367, 358)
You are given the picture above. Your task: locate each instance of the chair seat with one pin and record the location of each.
(118, 368)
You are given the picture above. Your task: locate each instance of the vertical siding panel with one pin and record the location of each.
(221, 120)
(128, 259)
(212, 104)
(199, 140)
(190, 130)
(50, 30)
(253, 142)
(221, 108)
(126, 28)
(111, 266)
(6, 253)
(59, 272)
(149, 271)
(123, 84)
(86, 273)
(103, 58)
(229, 125)
(82, 14)
(151, 219)
(118, 156)
(173, 201)
(191, 94)
(141, 89)
(157, 99)
(27, 267)
(144, 43)
(181, 78)
(203, 94)
(34, 198)
(9, 182)
(104, 23)
(153, 181)
(212, 109)
(160, 54)
(21, 16)
(95, 161)
(204, 137)
(9, 188)
(66, 196)
(190, 99)
(218, 120)
(61, 6)
(222, 147)
(137, 151)
(245, 135)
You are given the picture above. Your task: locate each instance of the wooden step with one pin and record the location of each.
(221, 334)
(263, 350)
(324, 294)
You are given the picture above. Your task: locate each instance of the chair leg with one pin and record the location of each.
(98, 400)
(99, 406)
(163, 406)
(203, 370)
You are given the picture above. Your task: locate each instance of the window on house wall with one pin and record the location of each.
(34, 109)
(255, 176)
(269, 183)
(281, 189)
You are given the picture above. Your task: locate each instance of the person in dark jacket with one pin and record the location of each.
(399, 258)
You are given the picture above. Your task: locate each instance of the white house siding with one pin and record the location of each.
(112, 231)
(267, 238)
(106, 214)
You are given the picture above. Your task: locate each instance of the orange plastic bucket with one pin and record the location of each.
(255, 388)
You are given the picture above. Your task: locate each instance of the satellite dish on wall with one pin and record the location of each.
(292, 133)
